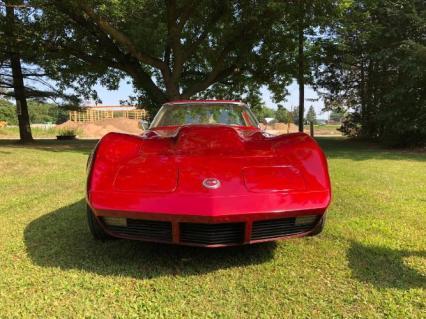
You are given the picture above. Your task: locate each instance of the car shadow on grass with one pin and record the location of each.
(62, 239)
(386, 268)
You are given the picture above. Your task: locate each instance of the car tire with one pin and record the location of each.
(96, 230)
(319, 227)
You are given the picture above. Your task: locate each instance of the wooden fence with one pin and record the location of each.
(96, 115)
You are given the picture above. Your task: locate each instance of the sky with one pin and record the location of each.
(113, 97)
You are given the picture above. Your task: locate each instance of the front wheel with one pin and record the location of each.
(96, 230)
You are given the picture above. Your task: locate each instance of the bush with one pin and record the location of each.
(67, 132)
(351, 125)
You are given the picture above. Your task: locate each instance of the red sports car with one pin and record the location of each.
(205, 174)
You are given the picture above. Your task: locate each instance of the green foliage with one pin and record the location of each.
(375, 65)
(311, 116)
(22, 36)
(282, 115)
(170, 49)
(47, 113)
(68, 132)
(263, 112)
(351, 125)
(367, 56)
(336, 116)
(295, 115)
(8, 112)
(39, 113)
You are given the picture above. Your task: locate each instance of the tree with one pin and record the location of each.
(295, 115)
(17, 76)
(281, 114)
(8, 112)
(302, 24)
(178, 49)
(171, 49)
(264, 112)
(21, 76)
(374, 64)
(38, 112)
(311, 116)
(336, 116)
(257, 106)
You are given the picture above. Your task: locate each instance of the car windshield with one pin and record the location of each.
(204, 113)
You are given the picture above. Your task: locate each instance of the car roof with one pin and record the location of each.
(186, 102)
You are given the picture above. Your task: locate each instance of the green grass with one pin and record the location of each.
(326, 129)
(331, 127)
(369, 262)
(13, 132)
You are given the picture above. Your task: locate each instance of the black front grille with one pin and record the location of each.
(144, 230)
(212, 234)
(279, 227)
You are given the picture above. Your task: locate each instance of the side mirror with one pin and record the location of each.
(262, 125)
(144, 125)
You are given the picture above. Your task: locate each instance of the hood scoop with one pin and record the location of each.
(200, 140)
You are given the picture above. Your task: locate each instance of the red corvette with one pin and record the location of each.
(204, 174)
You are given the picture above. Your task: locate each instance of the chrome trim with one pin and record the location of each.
(211, 183)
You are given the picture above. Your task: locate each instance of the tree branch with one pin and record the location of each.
(218, 74)
(125, 62)
(120, 37)
(185, 13)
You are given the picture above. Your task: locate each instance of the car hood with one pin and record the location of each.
(166, 172)
(241, 160)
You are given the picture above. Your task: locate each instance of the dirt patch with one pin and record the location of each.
(102, 127)
(283, 128)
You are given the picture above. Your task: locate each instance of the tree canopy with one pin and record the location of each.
(366, 57)
(170, 49)
(374, 65)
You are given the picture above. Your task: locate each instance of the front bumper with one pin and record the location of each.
(211, 231)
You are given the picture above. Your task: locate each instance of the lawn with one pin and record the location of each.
(369, 262)
(327, 129)
(13, 132)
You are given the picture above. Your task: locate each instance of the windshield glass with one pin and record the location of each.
(204, 113)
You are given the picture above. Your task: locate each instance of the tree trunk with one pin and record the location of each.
(18, 79)
(301, 67)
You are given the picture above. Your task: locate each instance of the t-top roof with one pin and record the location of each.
(204, 102)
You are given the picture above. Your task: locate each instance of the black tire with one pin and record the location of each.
(96, 230)
(319, 227)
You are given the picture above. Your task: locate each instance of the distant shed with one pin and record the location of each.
(101, 112)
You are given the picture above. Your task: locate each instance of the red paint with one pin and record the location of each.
(263, 179)
(159, 176)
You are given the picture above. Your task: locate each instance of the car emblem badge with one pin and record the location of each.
(211, 183)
